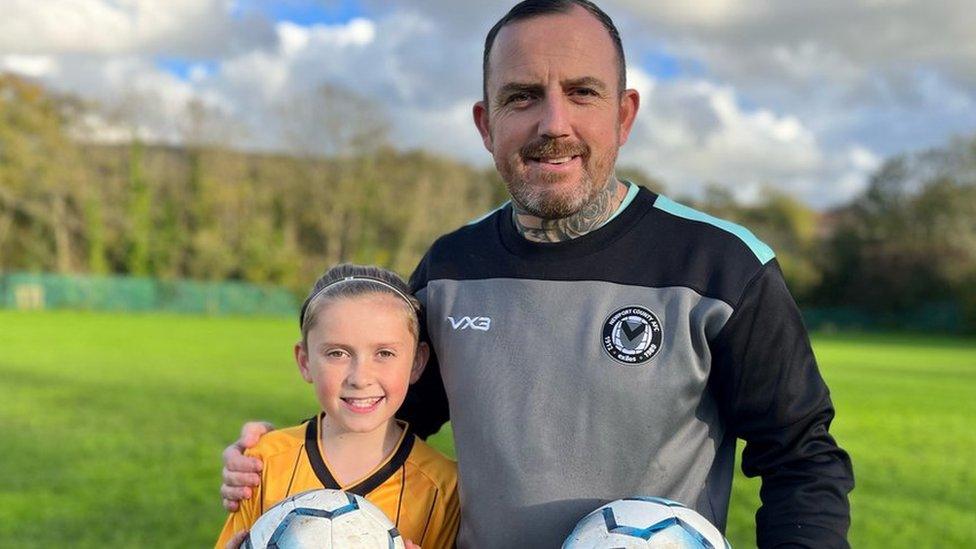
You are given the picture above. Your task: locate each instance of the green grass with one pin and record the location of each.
(113, 425)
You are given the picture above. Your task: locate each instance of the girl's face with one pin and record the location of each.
(361, 357)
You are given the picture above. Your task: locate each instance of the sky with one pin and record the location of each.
(803, 97)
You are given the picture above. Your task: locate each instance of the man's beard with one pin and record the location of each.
(540, 197)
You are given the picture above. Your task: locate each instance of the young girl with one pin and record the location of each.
(360, 351)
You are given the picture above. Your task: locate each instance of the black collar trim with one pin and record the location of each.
(371, 482)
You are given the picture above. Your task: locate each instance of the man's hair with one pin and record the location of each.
(534, 8)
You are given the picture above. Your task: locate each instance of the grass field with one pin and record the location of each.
(112, 427)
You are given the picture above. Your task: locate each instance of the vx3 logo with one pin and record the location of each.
(482, 323)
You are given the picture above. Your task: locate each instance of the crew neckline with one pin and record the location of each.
(633, 208)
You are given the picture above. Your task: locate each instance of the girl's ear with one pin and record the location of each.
(301, 358)
(419, 361)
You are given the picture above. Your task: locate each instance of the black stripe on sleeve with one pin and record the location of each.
(294, 469)
(430, 513)
(403, 484)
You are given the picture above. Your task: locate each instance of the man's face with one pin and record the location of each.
(555, 117)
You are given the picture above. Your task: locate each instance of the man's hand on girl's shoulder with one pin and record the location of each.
(240, 472)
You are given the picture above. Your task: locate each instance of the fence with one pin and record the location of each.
(138, 294)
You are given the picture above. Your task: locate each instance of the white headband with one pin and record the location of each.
(394, 289)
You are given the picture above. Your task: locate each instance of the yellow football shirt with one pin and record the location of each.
(416, 486)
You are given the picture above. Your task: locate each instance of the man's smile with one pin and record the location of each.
(559, 160)
(556, 164)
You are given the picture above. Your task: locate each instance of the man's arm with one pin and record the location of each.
(242, 473)
(773, 397)
(425, 406)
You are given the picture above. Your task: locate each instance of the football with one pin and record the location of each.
(643, 522)
(324, 519)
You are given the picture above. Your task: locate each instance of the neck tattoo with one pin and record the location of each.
(590, 217)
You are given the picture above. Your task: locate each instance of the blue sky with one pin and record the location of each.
(304, 12)
(666, 66)
(181, 67)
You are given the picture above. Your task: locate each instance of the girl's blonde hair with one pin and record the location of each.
(348, 280)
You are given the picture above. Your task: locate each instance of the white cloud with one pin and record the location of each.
(696, 133)
(639, 80)
(844, 52)
(862, 159)
(198, 72)
(805, 97)
(703, 13)
(193, 28)
(133, 93)
(692, 133)
(448, 131)
(34, 66)
(294, 39)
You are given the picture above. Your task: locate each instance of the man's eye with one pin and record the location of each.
(335, 353)
(386, 353)
(584, 92)
(518, 98)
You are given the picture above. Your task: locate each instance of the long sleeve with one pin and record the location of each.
(768, 384)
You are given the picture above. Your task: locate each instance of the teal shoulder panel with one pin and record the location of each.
(482, 218)
(631, 193)
(763, 252)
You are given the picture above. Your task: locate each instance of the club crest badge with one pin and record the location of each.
(632, 335)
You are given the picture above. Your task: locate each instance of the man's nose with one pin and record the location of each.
(555, 118)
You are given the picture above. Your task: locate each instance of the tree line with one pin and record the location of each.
(209, 210)
(905, 246)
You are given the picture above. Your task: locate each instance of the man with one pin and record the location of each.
(596, 341)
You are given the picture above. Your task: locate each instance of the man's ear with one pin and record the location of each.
(480, 113)
(301, 358)
(629, 103)
(419, 361)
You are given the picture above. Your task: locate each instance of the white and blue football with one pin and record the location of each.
(323, 519)
(645, 522)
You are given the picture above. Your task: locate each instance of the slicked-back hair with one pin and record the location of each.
(534, 8)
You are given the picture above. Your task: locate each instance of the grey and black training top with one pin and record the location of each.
(624, 362)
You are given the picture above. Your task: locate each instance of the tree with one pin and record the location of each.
(910, 239)
(785, 224)
(40, 178)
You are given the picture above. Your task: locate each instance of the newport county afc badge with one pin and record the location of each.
(632, 335)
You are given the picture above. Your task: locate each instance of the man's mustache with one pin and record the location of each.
(547, 147)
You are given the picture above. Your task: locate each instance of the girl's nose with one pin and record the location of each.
(359, 375)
